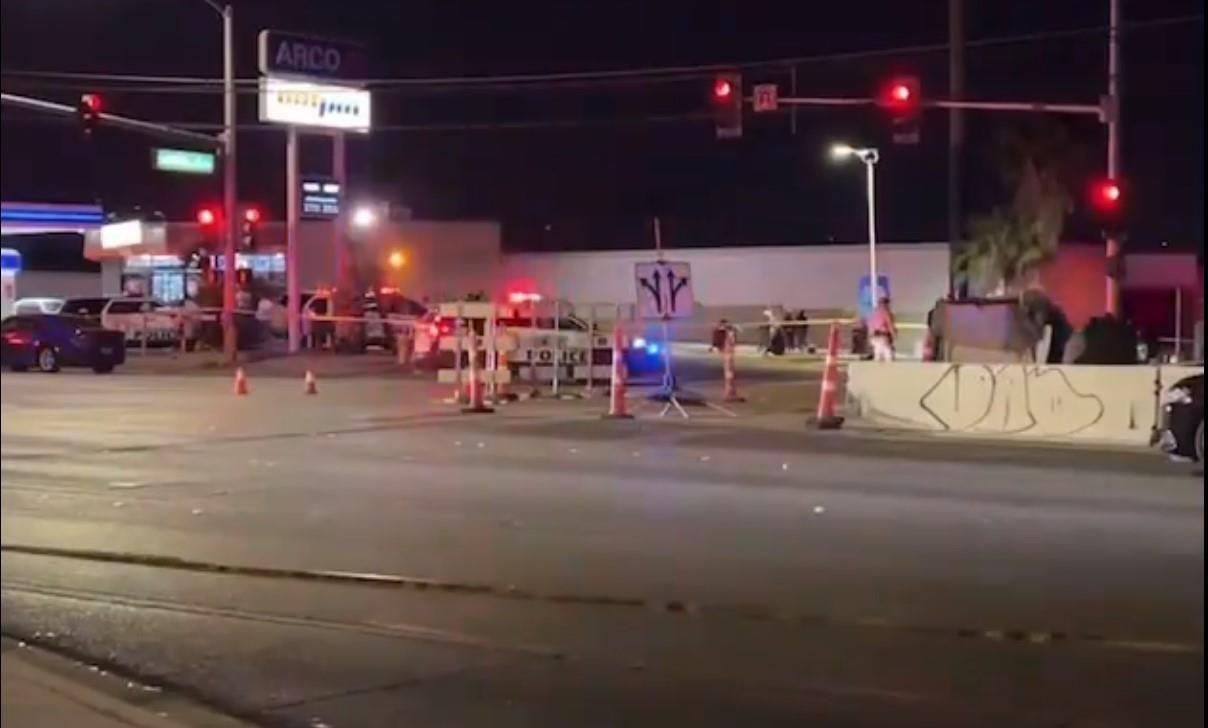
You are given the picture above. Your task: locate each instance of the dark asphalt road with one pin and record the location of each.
(778, 576)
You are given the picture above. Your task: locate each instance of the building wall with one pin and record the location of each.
(1076, 280)
(800, 277)
(444, 260)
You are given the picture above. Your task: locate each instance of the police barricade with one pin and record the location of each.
(564, 344)
(478, 334)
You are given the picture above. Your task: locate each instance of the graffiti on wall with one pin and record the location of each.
(1010, 399)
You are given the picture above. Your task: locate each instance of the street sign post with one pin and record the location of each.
(183, 160)
(664, 290)
(765, 98)
(310, 83)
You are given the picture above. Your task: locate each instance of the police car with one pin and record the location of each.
(541, 342)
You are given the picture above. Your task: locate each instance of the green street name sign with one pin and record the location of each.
(182, 160)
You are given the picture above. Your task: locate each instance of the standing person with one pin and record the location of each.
(884, 330)
(803, 331)
(190, 313)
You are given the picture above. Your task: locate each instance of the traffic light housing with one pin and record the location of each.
(249, 226)
(1109, 205)
(902, 97)
(88, 110)
(726, 101)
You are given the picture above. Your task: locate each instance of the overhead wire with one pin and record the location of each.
(644, 74)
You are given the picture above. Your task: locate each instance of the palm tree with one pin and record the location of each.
(1038, 165)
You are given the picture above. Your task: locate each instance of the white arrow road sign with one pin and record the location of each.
(664, 289)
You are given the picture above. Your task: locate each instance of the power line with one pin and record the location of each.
(647, 74)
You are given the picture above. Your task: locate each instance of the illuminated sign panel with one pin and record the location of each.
(302, 103)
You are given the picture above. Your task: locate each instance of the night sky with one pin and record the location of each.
(614, 153)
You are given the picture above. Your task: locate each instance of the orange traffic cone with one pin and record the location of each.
(617, 408)
(477, 403)
(827, 419)
(310, 386)
(728, 369)
(240, 382)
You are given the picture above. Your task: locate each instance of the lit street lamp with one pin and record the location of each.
(869, 157)
(364, 217)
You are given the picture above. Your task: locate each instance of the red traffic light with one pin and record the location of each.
(91, 102)
(251, 215)
(207, 217)
(727, 103)
(900, 95)
(1109, 192)
(1107, 195)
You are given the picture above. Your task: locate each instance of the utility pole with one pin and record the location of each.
(1114, 259)
(956, 125)
(230, 341)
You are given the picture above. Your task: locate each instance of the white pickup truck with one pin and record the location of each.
(139, 317)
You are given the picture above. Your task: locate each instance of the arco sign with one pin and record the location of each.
(307, 57)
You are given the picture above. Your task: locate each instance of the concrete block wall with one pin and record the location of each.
(1109, 404)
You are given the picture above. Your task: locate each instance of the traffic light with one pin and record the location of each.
(88, 110)
(207, 218)
(249, 226)
(726, 100)
(901, 96)
(1109, 205)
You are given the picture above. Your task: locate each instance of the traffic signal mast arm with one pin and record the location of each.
(113, 120)
(1100, 110)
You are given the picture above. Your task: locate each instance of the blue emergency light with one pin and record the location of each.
(10, 260)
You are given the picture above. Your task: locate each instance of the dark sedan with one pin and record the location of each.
(1181, 432)
(48, 342)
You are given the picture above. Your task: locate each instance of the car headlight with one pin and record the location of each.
(1176, 395)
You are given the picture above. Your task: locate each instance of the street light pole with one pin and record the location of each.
(230, 341)
(870, 158)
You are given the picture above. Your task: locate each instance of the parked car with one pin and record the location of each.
(139, 317)
(37, 305)
(47, 342)
(84, 306)
(1181, 430)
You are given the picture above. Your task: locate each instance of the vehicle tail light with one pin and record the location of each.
(17, 338)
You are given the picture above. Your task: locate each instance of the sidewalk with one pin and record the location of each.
(38, 688)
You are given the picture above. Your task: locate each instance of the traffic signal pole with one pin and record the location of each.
(230, 334)
(1114, 269)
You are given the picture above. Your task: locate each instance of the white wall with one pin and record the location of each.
(58, 284)
(810, 277)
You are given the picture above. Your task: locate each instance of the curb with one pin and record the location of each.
(54, 677)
